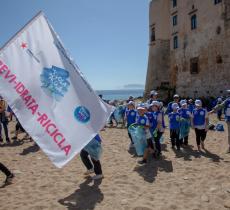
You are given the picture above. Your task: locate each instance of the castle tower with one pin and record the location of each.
(159, 45)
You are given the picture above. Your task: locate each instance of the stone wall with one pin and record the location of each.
(209, 43)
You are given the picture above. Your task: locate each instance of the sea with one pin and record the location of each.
(120, 94)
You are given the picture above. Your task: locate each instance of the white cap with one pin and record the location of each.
(198, 102)
(176, 96)
(228, 91)
(140, 108)
(155, 103)
(153, 92)
(175, 106)
(183, 102)
(131, 103)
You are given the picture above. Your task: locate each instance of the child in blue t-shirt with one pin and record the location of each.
(130, 117)
(142, 120)
(174, 125)
(200, 123)
(191, 106)
(185, 117)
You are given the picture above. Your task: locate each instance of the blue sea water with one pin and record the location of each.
(120, 94)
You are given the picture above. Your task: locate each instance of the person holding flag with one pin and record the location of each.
(90, 156)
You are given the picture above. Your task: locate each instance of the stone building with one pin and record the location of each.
(189, 50)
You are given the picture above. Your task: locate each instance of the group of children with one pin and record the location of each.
(181, 116)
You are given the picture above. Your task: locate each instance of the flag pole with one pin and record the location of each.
(21, 30)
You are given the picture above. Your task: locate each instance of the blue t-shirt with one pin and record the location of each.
(142, 120)
(191, 107)
(131, 116)
(227, 110)
(199, 116)
(184, 113)
(174, 120)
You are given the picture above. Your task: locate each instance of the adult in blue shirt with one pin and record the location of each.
(176, 99)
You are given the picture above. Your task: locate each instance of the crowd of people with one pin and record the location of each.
(145, 123)
(182, 115)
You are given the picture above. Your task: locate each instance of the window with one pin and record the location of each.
(174, 20)
(217, 1)
(193, 22)
(174, 2)
(175, 42)
(194, 65)
(153, 35)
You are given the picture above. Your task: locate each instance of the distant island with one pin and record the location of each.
(133, 86)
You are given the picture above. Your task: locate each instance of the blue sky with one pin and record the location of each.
(107, 38)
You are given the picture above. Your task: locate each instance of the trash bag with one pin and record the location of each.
(139, 138)
(94, 149)
(184, 127)
(119, 114)
(220, 127)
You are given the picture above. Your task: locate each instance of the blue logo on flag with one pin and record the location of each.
(82, 114)
(55, 82)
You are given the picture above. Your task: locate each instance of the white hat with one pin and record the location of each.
(198, 102)
(228, 91)
(176, 96)
(183, 102)
(131, 103)
(175, 106)
(140, 108)
(219, 99)
(155, 103)
(153, 92)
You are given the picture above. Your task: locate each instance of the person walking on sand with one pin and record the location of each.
(200, 122)
(185, 121)
(174, 125)
(130, 118)
(226, 105)
(3, 120)
(90, 156)
(7, 172)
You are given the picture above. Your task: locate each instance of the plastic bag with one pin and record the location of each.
(94, 149)
(184, 127)
(139, 138)
(119, 114)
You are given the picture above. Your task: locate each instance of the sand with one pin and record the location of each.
(186, 180)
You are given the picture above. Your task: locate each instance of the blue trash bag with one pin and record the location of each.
(94, 149)
(220, 127)
(119, 114)
(139, 138)
(184, 128)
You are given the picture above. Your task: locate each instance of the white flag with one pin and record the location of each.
(48, 93)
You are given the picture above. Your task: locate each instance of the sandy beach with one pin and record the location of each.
(184, 180)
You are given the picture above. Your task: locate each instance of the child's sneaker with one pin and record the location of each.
(98, 176)
(142, 162)
(9, 179)
(88, 172)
